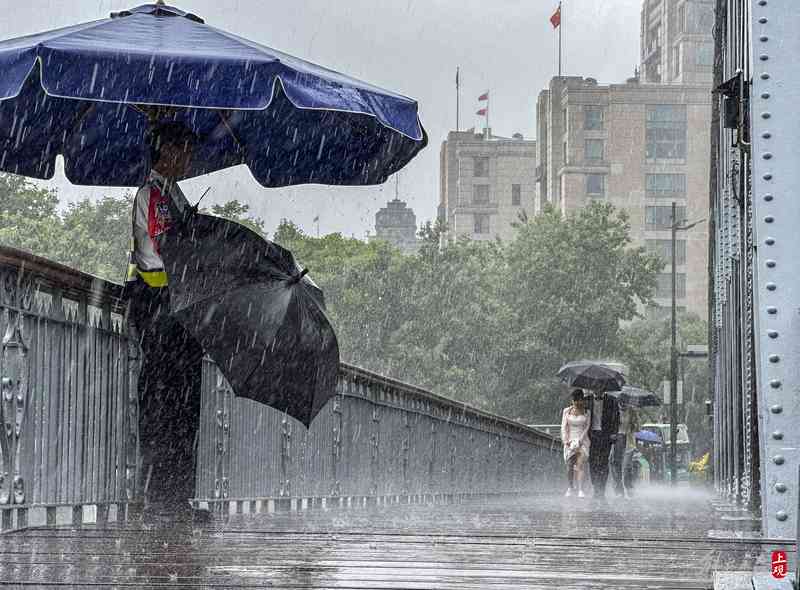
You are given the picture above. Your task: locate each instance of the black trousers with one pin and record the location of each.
(169, 397)
(617, 463)
(598, 460)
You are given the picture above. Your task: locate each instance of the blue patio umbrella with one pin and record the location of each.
(647, 436)
(92, 92)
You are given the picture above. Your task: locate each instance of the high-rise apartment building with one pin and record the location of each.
(641, 145)
(485, 182)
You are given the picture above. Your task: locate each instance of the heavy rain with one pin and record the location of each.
(406, 295)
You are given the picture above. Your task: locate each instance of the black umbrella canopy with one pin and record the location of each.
(254, 311)
(637, 396)
(591, 375)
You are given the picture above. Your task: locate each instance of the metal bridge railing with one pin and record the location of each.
(65, 411)
(69, 421)
(378, 437)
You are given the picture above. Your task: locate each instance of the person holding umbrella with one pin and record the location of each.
(603, 409)
(170, 366)
(604, 418)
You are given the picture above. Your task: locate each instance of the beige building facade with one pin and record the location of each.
(486, 181)
(641, 145)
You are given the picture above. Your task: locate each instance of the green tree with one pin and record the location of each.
(20, 197)
(569, 283)
(239, 212)
(646, 350)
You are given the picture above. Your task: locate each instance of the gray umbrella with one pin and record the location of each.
(636, 396)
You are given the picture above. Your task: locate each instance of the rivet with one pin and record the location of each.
(767, 198)
(771, 286)
(781, 515)
(772, 310)
(765, 76)
(763, 20)
(765, 95)
(763, 38)
(763, 57)
(767, 176)
(778, 460)
(767, 156)
(770, 241)
(766, 135)
(772, 334)
(777, 435)
(775, 384)
(780, 487)
(774, 358)
(770, 264)
(769, 219)
(766, 115)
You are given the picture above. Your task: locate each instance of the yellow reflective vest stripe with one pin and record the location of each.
(153, 278)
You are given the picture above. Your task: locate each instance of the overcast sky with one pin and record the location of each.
(409, 46)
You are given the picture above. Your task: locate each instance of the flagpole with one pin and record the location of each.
(560, 25)
(458, 118)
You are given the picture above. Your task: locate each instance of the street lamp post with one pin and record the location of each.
(673, 352)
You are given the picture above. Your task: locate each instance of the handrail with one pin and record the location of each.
(72, 282)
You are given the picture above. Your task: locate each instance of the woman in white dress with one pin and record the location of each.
(575, 437)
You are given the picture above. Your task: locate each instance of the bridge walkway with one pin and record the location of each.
(662, 540)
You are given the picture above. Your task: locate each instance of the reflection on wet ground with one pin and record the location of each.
(659, 540)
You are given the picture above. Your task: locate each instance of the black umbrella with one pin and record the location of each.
(591, 375)
(636, 396)
(254, 312)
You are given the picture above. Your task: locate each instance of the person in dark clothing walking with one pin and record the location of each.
(171, 359)
(604, 425)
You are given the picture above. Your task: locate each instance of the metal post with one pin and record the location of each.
(560, 17)
(673, 359)
(797, 537)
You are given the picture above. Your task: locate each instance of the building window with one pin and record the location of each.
(481, 223)
(663, 248)
(666, 132)
(565, 121)
(480, 194)
(663, 186)
(516, 194)
(593, 118)
(664, 286)
(564, 153)
(657, 217)
(596, 185)
(481, 167)
(594, 150)
(676, 61)
(704, 55)
(681, 19)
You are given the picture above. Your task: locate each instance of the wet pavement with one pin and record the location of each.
(659, 540)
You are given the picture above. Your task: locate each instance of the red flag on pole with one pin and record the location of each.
(555, 20)
(484, 96)
(481, 112)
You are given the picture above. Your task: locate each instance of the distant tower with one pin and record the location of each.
(397, 224)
